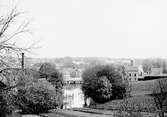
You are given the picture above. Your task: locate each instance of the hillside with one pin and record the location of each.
(145, 87)
(140, 100)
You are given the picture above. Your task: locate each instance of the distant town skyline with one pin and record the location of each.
(97, 28)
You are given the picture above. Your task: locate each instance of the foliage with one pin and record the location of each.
(11, 28)
(37, 98)
(13, 78)
(6, 102)
(4, 110)
(33, 95)
(52, 75)
(102, 83)
(46, 70)
(56, 79)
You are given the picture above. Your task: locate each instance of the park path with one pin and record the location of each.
(71, 113)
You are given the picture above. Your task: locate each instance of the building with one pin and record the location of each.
(73, 95)
(72, 76)
(156, 71)
(132, 73)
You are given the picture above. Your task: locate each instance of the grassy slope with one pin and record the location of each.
(142, 87)
(137, 103)
(140, 100)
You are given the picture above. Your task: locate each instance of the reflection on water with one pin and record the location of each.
(73, 96)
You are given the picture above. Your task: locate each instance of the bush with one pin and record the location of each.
(46, 70)
(102, 83)
(6, 102)
(37, 98)
(4, 110)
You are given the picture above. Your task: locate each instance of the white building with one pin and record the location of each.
(73, 97)
(72, 76)
(132, 73)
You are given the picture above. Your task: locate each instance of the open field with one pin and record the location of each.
(136, 103)
(144, 87)
(140, 100)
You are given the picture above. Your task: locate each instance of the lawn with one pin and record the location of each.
(145, 87)
(137, 103)
(142, 87)
(140, 100)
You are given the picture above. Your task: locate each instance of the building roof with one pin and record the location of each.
(131, 69)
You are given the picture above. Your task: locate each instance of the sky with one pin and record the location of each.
(98, 28)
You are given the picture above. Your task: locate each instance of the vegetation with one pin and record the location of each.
(5, 108)
(102, 83)
(56, 81)
(142, 87)
(160, 96)
(145, 87)
(52, 75)
(136, 103)
(46, 70)
(37, 98)
(152, 100)
(10, 30)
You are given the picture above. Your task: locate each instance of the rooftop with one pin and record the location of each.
(131, 69)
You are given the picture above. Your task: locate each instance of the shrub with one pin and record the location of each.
(37, 98)
(46, 70)
(6, 102)
(4, 110)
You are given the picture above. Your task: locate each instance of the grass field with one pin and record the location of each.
(142, 87)
(140, 100)
(145, 87)
(137, 103)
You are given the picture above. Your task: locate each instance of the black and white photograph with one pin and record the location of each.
(83, 58)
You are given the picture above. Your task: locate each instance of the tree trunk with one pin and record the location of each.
(85, 102)
(161, 114)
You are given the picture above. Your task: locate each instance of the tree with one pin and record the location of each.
(52, 75)
(102, 83)
(160, 96)
(37, 98)
(46, 70)
(9, 32)
(56, 79)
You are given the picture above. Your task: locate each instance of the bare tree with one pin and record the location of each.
(160, 96)
(9, 30)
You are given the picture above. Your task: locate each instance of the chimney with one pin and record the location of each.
(22, 61)
(131, 62)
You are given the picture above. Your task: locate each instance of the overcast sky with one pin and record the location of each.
(103, 28)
